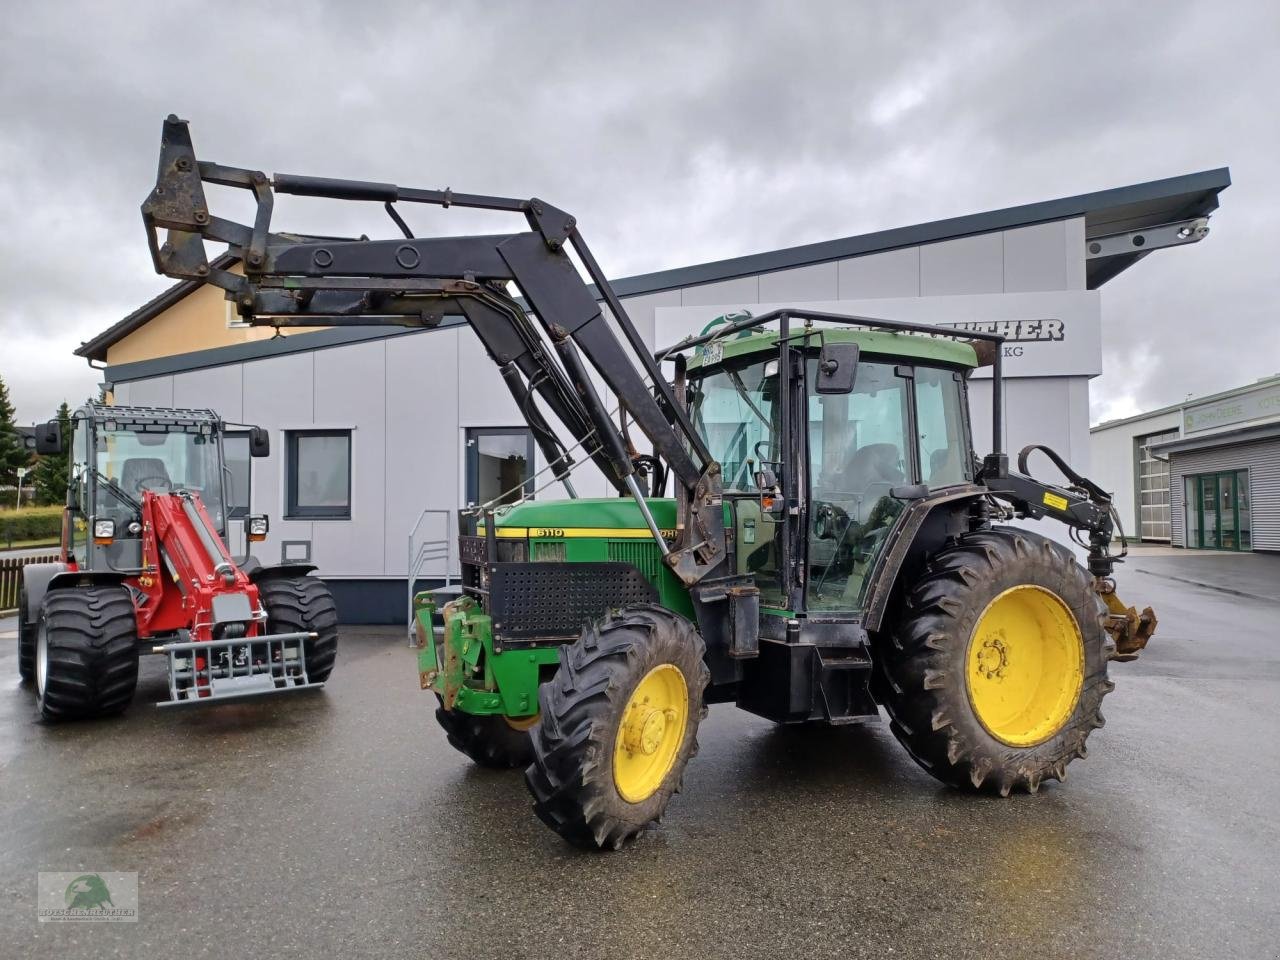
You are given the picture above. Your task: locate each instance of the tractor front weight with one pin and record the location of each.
(465, 669)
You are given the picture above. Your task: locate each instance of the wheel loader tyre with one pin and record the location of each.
(492, 741)
(26, 639)
(304, 604)
(619, 723)
(994, 672)
(86, 656)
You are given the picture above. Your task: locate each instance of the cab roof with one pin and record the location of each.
(906, 346)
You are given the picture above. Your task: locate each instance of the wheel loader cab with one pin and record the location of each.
(901, 426)
(116, 457)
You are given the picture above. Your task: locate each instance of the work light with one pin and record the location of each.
(256, 527)
(104, 530)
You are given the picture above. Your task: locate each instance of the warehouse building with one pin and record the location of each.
(372, 427)
(1203, 474)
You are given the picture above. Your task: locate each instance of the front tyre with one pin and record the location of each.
(304, 605)
(619, 723)
(86, 653)
(26, 639)
(994, 674)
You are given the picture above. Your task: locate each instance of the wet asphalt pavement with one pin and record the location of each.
(340, 824)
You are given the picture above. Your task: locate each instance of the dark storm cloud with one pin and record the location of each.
(675, 132)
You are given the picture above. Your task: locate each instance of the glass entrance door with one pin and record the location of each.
(1217, 506)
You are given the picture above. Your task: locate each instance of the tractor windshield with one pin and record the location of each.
(160, 458)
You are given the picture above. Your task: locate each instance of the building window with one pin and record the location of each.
(499, 464)
(1152, 479)
(1218, 511)
(318, 474)
(235, 452)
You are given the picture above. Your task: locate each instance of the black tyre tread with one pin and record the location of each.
(921, 663)
(571, 777)
(490, 741)
(92, 652)
(296, 604)
(26, 640)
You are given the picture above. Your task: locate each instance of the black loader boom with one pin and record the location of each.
(293, 280)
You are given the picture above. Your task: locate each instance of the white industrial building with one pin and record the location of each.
(1203, 474)
(372, 426)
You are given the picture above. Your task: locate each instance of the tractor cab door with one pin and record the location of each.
(902, 425)
(737, 410)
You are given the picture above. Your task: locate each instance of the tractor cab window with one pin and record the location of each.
(859, 450)
(135, 459)
(733, 411)
(944, 455)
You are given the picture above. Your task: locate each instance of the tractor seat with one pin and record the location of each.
(144, 472)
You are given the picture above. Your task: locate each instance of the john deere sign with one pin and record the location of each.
(1253, 405)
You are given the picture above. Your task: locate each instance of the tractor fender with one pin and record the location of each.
(922, 529)
(69, 579)
(256, 572)
(35, 581)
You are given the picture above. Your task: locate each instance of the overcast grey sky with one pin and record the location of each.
(677, 133)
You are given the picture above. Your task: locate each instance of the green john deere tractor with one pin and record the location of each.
(831, 545)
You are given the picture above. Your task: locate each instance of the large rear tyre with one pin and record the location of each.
(26, 639)
(994, 673)
(495, 742)
(619, 723)
(86, 653)
(304, 605)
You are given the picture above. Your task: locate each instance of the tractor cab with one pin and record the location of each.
(823, 438)
(117, 455)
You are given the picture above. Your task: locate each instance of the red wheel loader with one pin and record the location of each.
(145, 568)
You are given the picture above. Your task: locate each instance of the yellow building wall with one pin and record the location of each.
(196, 322)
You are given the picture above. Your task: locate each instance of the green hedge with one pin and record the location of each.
(32, 523)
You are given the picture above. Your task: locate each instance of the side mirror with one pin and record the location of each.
(837, 364)
(49, 438)
(259, 442)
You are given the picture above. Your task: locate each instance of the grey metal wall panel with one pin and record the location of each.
(967, 265)
(1076, 264)
(817, 282)
(277, 394)
(1261, 459)
(424, 442)
(281, 390)
(349, 393)
(219, 388)
(895, 273)
(1035, 258)
(741, 290)
(152, 393)
(640, 310)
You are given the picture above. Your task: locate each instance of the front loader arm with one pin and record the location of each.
(1086, 507)
(293, 280)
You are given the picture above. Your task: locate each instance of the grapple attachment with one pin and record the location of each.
(1128, 628)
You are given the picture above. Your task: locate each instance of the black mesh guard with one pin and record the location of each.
(552, 601)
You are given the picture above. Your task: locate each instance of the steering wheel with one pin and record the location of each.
(154, 484)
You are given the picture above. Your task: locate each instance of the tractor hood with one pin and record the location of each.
(587, 517)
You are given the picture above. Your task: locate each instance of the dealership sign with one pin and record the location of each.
(1253, 405)
(1051, 334)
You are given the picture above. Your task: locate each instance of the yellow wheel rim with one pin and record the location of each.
(522, 723)
(650, 733)
(1025, 666)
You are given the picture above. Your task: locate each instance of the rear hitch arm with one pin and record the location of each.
(1088, 510)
